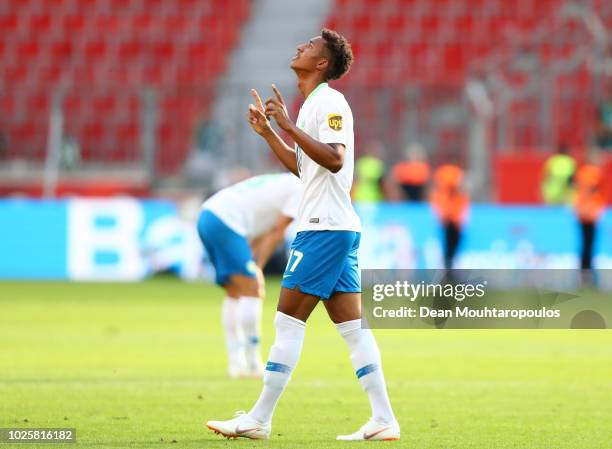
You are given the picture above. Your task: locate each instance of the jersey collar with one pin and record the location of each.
(318, 88)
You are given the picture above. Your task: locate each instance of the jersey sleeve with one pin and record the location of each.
(331, 117)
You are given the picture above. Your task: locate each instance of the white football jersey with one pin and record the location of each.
(251, 207)
(326, 201)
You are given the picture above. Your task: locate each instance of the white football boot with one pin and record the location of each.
(242, 426)
(374, 431)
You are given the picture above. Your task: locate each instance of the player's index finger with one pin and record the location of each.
(257, 99)
(277, 93)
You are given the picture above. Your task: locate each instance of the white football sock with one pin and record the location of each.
(365, 357)
(284, 355)
(250, 322)
(233, 333)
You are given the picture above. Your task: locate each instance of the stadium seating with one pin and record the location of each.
(440, 43)
(103, 54)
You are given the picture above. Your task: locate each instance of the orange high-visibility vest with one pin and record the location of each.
(447, 199)
(589, 200)
(411, 172)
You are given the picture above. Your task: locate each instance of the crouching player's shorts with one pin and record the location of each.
(229, 251)
(322, 263)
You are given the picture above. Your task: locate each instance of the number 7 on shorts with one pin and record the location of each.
(298, 258)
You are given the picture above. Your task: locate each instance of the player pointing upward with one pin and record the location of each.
(323, 257)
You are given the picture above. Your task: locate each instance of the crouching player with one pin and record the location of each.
(240, 226)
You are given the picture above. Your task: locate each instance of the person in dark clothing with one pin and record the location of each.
(589, 203)
(450, 204)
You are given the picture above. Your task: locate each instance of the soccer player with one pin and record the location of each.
(323, 257)
(240, 226)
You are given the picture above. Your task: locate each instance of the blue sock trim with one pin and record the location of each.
(278, 367)
(366, 370)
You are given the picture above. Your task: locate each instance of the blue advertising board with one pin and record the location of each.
(493, 236)
(120, 239)
(126, 239)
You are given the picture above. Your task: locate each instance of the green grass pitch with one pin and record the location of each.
(143, 366)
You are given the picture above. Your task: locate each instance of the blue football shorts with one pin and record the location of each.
(229, 251)
(322, 263)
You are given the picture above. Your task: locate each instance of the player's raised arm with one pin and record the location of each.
(330, 156)
(261, 125)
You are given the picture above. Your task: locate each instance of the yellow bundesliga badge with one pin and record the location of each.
(334, 121)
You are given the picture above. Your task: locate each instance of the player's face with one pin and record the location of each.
(310, 56)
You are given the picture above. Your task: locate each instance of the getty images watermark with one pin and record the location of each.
(503, 299)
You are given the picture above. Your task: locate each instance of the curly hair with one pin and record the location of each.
(341, 54)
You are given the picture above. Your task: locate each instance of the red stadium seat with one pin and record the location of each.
(107, 25)
(105, 104)
(94, 131)
(7, 104)
(130, 50)
(25, 131)
(83, 75)
(40, 24)
(96, 50)
(49, 75)
(15, 75)
(60, 50)
(9, 24)
(28, 50)
(74, 25)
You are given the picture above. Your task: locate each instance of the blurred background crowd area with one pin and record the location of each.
(148, 97)
(483, 128)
